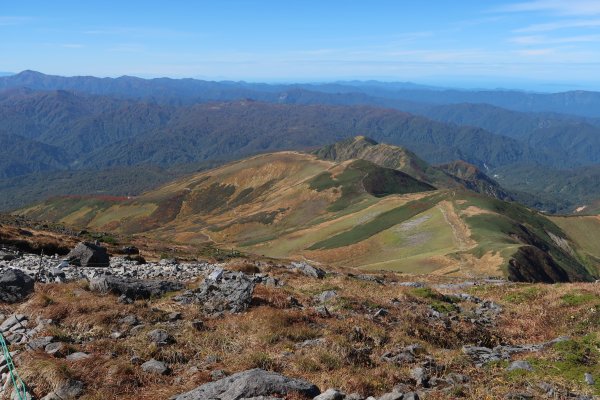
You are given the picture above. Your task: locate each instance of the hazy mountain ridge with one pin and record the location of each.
(584, 103)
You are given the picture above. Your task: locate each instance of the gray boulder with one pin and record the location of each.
(308, 270)
(78, 356)
(230, 291)
(87, 254)
(132, 288)
(250, 384)
(155, 367)
(331, 394)
(327, 296)
(523, 365)
(160, 337)
(15, 285)
(68, 390)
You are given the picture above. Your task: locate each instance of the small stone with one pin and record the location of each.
(419, 375)
(129, 320)
(56, 349)
(123, 299)
(410, 396)
(217, 374)
(160, 337)
(117, 335)
(174, 316)
(135, 360)
(382, 312)
(327, 296)
(70, 390)
(331, 394)
(392, 396)
(323, 311)
(155, 367)
(589, 379)
(547, 388)
(40, 343)
(522, 365)
(78, 356)
(198, 325)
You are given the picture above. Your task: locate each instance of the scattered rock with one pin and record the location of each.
(308, 270)
(589, 379)
(56, 349)
(327, 296)
(69, 390)
(331, 394)
(217, 374)
(15, 285)
(155, 367)
(40, 343)
(520, 365)
(392, 396)
(420, 376)
(547, 388)
(12, 321)
(198, 325)
(249, 384)
(130, 250)
(160, 337)
(483, 355)
(78, 356)
(129, 320)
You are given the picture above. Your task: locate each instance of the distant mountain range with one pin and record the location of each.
(87, 125)
(178, 91)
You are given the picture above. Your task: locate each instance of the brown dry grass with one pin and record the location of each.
(266, 336)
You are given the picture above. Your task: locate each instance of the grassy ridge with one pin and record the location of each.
(378, 224)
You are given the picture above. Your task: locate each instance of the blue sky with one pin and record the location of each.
(521, 44)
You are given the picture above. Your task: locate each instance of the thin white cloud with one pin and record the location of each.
(560, 7)
(538, 39)
(127, 48)
(565, 24)
(6, 20)
(139, 32)
(536, 52)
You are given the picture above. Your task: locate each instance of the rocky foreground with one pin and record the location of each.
(92, 326)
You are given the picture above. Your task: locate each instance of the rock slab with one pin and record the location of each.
(132, 288)
(249, 384)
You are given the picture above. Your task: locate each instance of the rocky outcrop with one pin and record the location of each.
(15, 285)
(249, 384)
(308, 270)
(87, 254)
(531, 264)
(222, 291)
(132, 288)
(482, 355)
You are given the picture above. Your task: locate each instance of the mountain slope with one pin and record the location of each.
(19, 156)
(457, 174)
(351, 213)
(473, 179)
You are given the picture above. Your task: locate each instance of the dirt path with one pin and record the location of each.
(460, 230)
